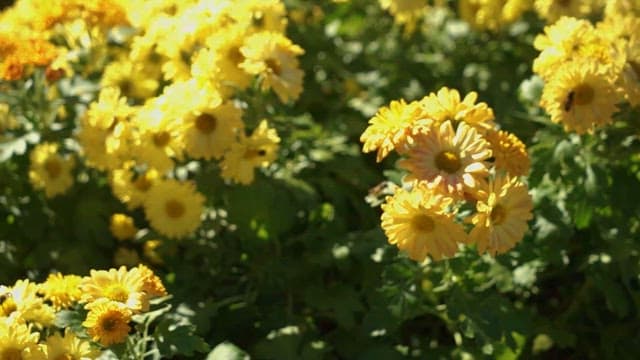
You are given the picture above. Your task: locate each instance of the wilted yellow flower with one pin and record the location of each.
(418, 222)
(452, 161)
(174, 208)
(49, 170)
(504, 207)
(122, 227)
(273, 56)
(258, 150)
(107, 321)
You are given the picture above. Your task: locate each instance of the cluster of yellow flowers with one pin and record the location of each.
(496, 14)
(28, 311)
(589, 70)
(454, 155)
(170, 84)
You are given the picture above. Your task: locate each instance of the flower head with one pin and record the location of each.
(49, 170)
(107, 321)
(174, 208)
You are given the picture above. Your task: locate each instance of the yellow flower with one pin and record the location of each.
(226, 57)
(504, 207)
(492, 14)
(151, 253)
(406, 12)
(7, 120)
(117, 285)
(418, 222)
(451, 161)
(509, 152)
(174, 208)
(61, 290)
(211, 131)
(107, 321)
(629, 79)
(131, 187)
(152, 284)
(446, 105)
(49, 170)
(390, 128)
(133, 79)
(17, 342)
(23, 304)
(122, 227)
(160, 139)
(69, 347)
(259, 15)
(581, 97)
(109, 109)
(273, 56)
(258, 150)
(552, 10)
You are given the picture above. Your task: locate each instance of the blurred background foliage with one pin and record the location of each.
(296, 266)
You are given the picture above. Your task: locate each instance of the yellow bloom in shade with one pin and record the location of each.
(493, 14)
(69, 347)
(107, 321)
(406, 12)
(447, 105)
(452, 161)
(152, 284)
(117, 285)
(552, 10)
(126, 256)
(211, 131)
(273, 56)
(258, 150)
(122, 227)
(174, 208)
(581, 97)
(509, 152)
(49, 170)
(504, 207)
(61, 290)
(629, 79)
(390, 128)
(17, 342)
(151, 253)
(131, 187)
(418, 222)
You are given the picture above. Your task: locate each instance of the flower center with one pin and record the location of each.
(423, 223)
(108, 324)
(253, 153)
(498, 214)
(142, 183)
(274, 65)
(12, 354)
(161, 139)
(206, 123)
(174, 209)
(448, 161)
(117, 293)
(53, 167)
(583, 94)
(8, 305)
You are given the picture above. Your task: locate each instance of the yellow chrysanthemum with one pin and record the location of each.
(69, 347)
(109, 109)
(451, 160)
(622, 7)
(504, 207)
(174, 208)
(390, 128)
(61, 290)
(122, 227)
(419, 223)
(7, 120)
(17, 342)
(629, 79)
(259, 15)
(22, 303)
(274, 57)
(552, 10)
(446, 105)
(104, 149)
(258, 150)
(152, 284)
(49, 170)
(406, 12)
(131, 187)
(581, 97)
(211, 131)
(107, 321)
(134, 79)
(226, 47)
(569, 40)
(492, 14)
(118, 285)
(509, 152)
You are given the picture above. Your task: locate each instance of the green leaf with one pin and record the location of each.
(175, 339)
